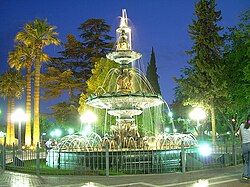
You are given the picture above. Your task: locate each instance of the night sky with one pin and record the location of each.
(161, 24)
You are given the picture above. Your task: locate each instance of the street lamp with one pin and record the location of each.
(19, 116)
(70, 131)
(87, 118)
(56, 133)
(197, 114)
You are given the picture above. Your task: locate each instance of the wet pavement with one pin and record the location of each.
(219, 177)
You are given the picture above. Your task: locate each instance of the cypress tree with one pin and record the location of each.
(203, 82)
(151, 73)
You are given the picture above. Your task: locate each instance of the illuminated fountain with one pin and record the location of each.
(125, 95)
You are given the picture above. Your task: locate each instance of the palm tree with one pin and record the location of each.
(22, 57)
(38, 34)
(11, 87)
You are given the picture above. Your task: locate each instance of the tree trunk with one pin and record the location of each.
(12, 123)
(36, 127)
(28, 107)
(8, 129)
(213, 123)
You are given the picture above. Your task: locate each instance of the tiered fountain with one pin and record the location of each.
(127, 94)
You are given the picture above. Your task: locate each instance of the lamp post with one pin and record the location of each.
(19, 116)
(88, 118)
(197, 114)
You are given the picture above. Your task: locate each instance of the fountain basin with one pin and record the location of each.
(124, 56)
(121, 104)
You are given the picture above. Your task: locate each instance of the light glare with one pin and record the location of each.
(71, 131)
(19, 116)
(88, 117)
(205, 149)
(197, 114)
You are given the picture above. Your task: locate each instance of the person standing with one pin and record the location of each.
(48, 145)
(245, 140)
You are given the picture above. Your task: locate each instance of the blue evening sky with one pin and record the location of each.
(161, 24)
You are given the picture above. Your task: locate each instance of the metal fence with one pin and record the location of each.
(118, 161)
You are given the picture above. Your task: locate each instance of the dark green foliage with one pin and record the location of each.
(151, 73)
(70, 72)
(96, 41)
(203, 83)
(11, 84)
(237, 73)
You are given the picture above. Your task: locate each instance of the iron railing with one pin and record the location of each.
(118, 161)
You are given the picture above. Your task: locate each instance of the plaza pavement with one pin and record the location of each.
(221, 177)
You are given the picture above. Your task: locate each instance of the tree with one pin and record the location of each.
(76, 62)
(80, 56)
(234, 108)
(96, 41)
(96, 81)
(151, 73)
(38, 34)
(203, 82)
(23, 57)
(99, 73)
(55, 83)
(11, 87)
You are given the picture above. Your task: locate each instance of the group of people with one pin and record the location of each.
(245, 140)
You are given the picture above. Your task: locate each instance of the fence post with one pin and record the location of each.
(183, 158)
(234, 153)
(59, 159)
(14, 153)
(107, 159)
(37, 159)
(3, 152)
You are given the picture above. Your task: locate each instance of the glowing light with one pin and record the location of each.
(197, 114)
(58, 132)
(88, 117)
(174, 130)
(71, 131)
(2, 134)
(167, 129)
(52, 133)
(205, 149)
(18, 116)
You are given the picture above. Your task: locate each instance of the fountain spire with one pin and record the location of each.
(123, 33)
(123, 53)
(124, 19)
